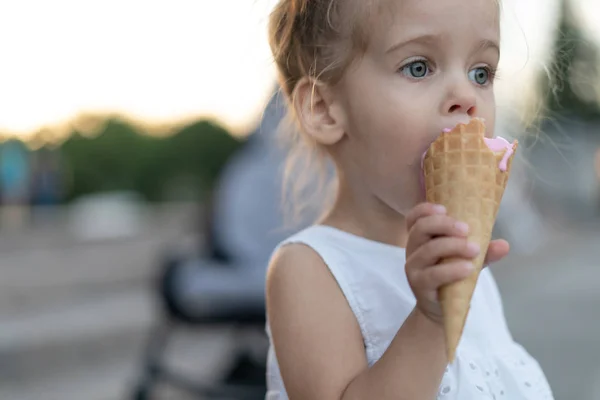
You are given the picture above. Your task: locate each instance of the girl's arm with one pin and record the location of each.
(320, 348)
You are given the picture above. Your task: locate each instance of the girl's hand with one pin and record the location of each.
(433, 236)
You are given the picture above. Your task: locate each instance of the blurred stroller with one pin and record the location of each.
(225, 286)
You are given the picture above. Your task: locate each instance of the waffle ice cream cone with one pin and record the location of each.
(464, 174)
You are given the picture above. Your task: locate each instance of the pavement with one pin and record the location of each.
(75, 314)
(551, 300)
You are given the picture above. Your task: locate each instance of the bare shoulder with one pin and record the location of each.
(298, 281)
(294, 262)
(316, 337)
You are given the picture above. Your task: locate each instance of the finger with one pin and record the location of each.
(497, 250)
(431, 226)
(442, 274)
(444, 247)
(422, 210)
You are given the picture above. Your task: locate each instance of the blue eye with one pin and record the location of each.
(481, 75)
(416, 69)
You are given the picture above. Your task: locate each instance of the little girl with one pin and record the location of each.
(351, 301)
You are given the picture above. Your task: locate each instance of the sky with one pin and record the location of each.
(164, 61)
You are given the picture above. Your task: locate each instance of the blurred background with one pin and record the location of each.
(139, 195)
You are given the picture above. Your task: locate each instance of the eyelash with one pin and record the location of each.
(414, 61)
(492, 72)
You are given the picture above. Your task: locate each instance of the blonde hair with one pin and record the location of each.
(318, 39)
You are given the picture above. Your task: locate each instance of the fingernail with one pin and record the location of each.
(462, 227)
(474, 247)
(439, 209)
(469, 266)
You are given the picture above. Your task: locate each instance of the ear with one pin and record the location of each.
(319, 114)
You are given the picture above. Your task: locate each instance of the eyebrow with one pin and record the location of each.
(424, 39)
(488, 44)
(433, 39)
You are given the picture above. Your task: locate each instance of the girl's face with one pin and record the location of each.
(429, 65)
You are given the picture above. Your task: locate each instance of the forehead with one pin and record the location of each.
(394, 20)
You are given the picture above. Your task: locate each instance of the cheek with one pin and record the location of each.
(389, 156)
(387, 139)
(488, 112)
(391, 133)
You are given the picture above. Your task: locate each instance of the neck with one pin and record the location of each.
(366, 215)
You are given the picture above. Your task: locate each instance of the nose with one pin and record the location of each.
(461, 99)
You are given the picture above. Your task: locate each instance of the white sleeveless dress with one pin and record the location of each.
(489, 363)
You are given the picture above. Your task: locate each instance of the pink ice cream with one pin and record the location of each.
(498, 144)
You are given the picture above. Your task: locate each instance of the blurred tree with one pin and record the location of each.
(108, 161)
(121, 157)
(192, 156)
(571, 84)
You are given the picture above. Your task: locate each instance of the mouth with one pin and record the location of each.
(461, 121)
